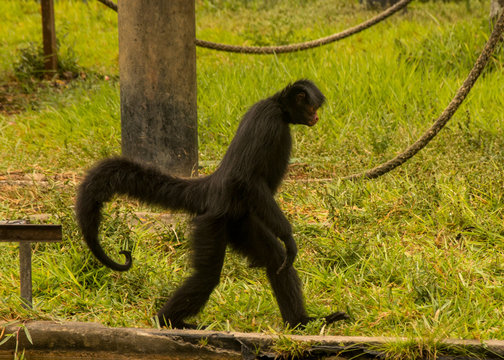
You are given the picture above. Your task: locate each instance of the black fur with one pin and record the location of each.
(233, 206)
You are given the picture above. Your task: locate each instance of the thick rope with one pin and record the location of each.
(447, 113)
(309, 44)
(109, 4)
(294, 47)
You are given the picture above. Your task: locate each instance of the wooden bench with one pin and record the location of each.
(24, 233)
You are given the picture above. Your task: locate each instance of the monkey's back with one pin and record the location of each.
(260, 149)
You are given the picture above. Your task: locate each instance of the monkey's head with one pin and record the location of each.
(300, 101)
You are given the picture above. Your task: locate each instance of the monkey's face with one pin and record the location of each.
(303, 112)
(306, 115)
(311, 116)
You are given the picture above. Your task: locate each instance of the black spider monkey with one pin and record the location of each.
(233, 206)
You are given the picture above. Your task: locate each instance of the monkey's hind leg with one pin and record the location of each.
(289, 294)
(258, 243)
(209, 249)
(253, 239)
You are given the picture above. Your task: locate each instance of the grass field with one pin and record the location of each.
(417, 253)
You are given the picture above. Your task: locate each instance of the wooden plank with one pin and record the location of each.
(30, 232)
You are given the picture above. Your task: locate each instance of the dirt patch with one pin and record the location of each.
(13, 99)
(16, 96)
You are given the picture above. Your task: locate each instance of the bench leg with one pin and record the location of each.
(25, 272)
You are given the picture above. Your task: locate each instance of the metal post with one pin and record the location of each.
(49, 36)
(157, 61)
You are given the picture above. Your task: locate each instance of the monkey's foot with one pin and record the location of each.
(181, 325)
(337, 316)
(175, 324)
(184, 325)
(329, 319)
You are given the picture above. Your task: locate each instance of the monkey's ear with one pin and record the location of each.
(300, 98)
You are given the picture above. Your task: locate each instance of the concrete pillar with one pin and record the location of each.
(157, 61)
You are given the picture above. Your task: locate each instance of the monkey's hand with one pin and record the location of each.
(290, 254)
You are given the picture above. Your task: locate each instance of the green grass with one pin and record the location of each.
(418, 253)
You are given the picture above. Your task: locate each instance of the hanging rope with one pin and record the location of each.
(309, 44)
(447, 113)
(294, 47)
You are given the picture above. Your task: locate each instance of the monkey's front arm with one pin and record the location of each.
(272, 216)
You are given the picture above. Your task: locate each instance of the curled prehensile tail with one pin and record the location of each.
(125, 177)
